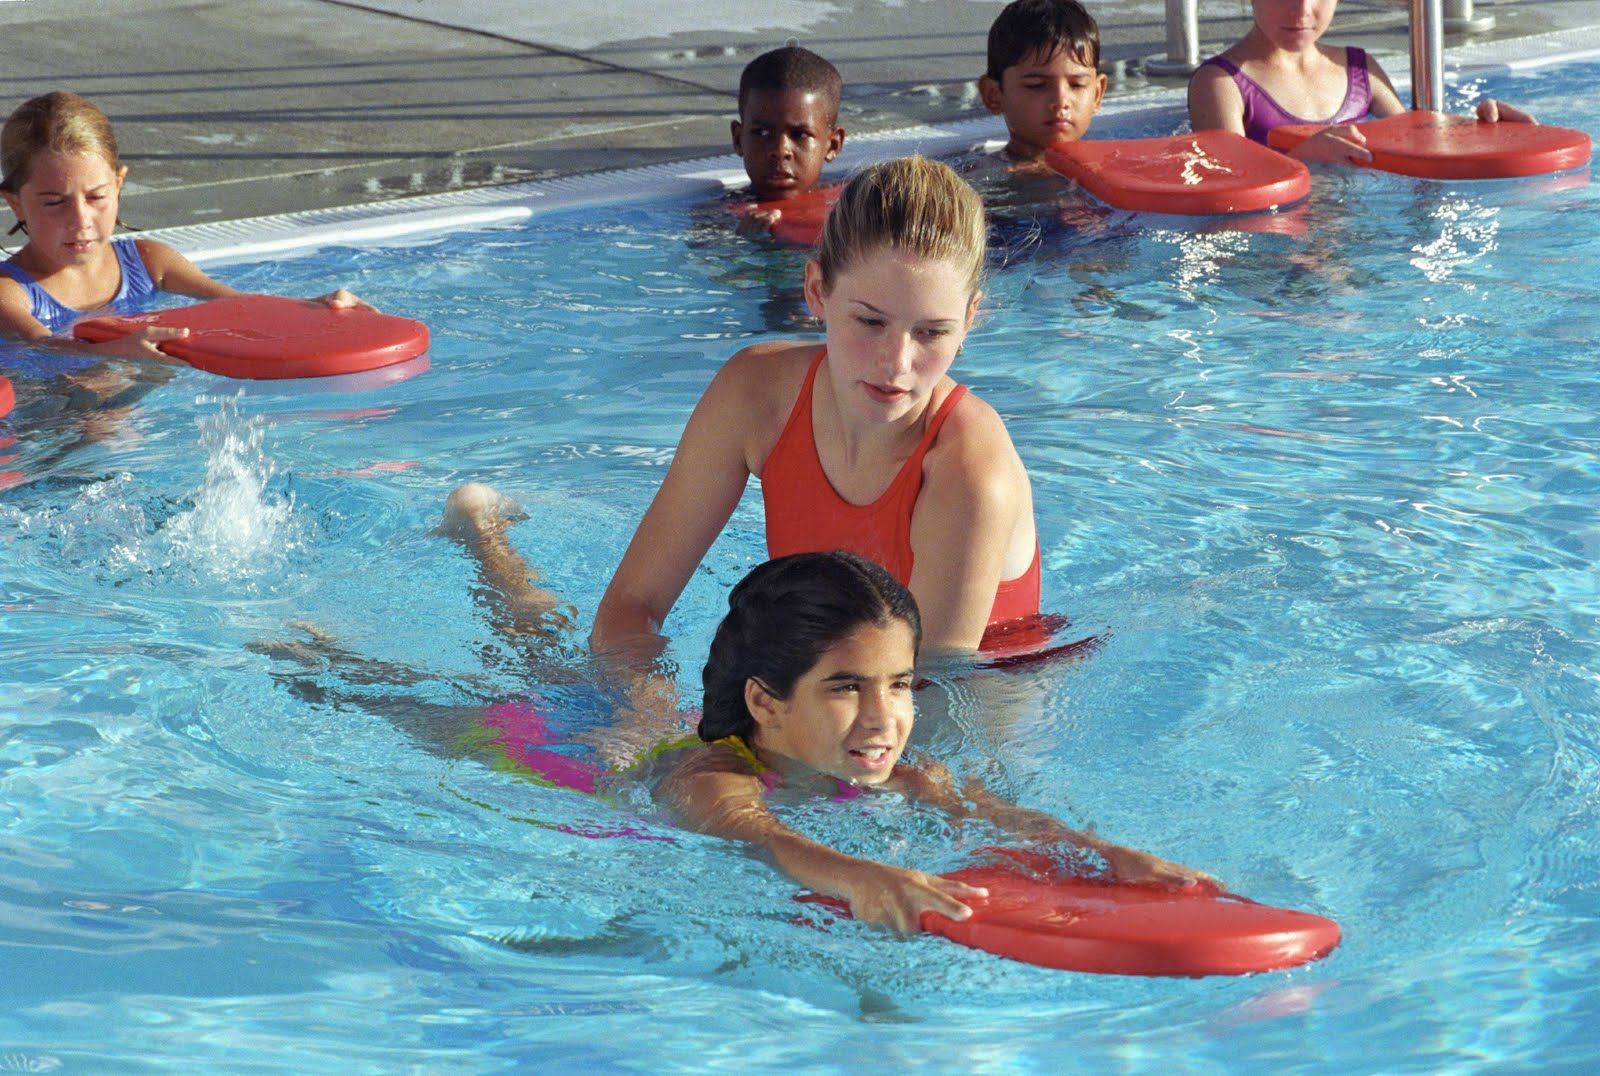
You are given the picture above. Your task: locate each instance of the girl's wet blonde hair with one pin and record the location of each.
(60, 122)
(910, 206)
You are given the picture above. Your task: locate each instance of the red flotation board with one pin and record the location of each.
(8, 397)
(1081, 924)
(1031, 640)
(1435, 145)
(800, 219)
(1201, 174)
(268, 337)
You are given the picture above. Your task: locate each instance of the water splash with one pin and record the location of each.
(237, 526)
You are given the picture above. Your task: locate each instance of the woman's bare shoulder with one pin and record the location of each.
(769, 360)
(764, 380)
(973, 426)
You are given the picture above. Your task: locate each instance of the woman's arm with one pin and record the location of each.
(975, 494)
(702, 487)
(713, 791)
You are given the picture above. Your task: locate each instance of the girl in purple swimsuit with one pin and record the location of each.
(1278, 74)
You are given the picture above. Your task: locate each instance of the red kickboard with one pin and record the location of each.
(1080, 924)
(1201, 174)
(1031, 640)
(1435, 145)
(800, 219)
(1084, 925)
(8, 397)
(267, 337)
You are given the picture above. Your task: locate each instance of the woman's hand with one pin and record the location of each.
(896, 897)
(1340, 144)
(341, 299)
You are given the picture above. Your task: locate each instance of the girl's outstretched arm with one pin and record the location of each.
(1492, 111)
(713, 790)
(934, 783)
(171, 271)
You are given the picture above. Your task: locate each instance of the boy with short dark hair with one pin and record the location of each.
(1043, 74)
(788, 125)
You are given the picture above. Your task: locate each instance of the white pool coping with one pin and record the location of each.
(411, 219)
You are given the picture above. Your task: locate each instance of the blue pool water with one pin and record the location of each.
(1332, 494)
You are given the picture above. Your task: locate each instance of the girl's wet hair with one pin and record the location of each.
(60, 122)
(782, 618)
(910, 206)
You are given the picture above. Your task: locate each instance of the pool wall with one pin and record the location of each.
(404, 220)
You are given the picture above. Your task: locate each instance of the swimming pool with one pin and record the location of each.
(1333, 498)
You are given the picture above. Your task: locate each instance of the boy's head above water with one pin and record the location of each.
(1043, 74)
(788, 125)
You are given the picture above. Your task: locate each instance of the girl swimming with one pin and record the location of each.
(807, 686)
(60, 174)
(808, 683)
(1279, 74)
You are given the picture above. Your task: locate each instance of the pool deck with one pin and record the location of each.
(232, 109)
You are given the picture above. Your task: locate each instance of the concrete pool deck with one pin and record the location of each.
(231, 109)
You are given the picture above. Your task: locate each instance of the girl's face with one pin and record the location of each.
(69, 203)
(894, 323)
(849, 715)
(1293, 25)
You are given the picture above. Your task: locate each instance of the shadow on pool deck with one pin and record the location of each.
(270, 106)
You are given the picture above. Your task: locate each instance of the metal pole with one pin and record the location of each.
(1427, 55)
(1183, 40)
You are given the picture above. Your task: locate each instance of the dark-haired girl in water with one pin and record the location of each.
(808, 683)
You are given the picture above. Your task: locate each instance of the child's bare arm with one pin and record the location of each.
(757, 222)
(1385, 99)
(17, 322)
(1214, 101)
(16, 313)
(1342, 143)
(713, 791)
(171, 271)
(935, 784)
(1492, 111)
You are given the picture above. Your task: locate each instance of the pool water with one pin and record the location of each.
(1330, 490)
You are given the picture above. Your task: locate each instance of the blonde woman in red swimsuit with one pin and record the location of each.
(864, 443)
